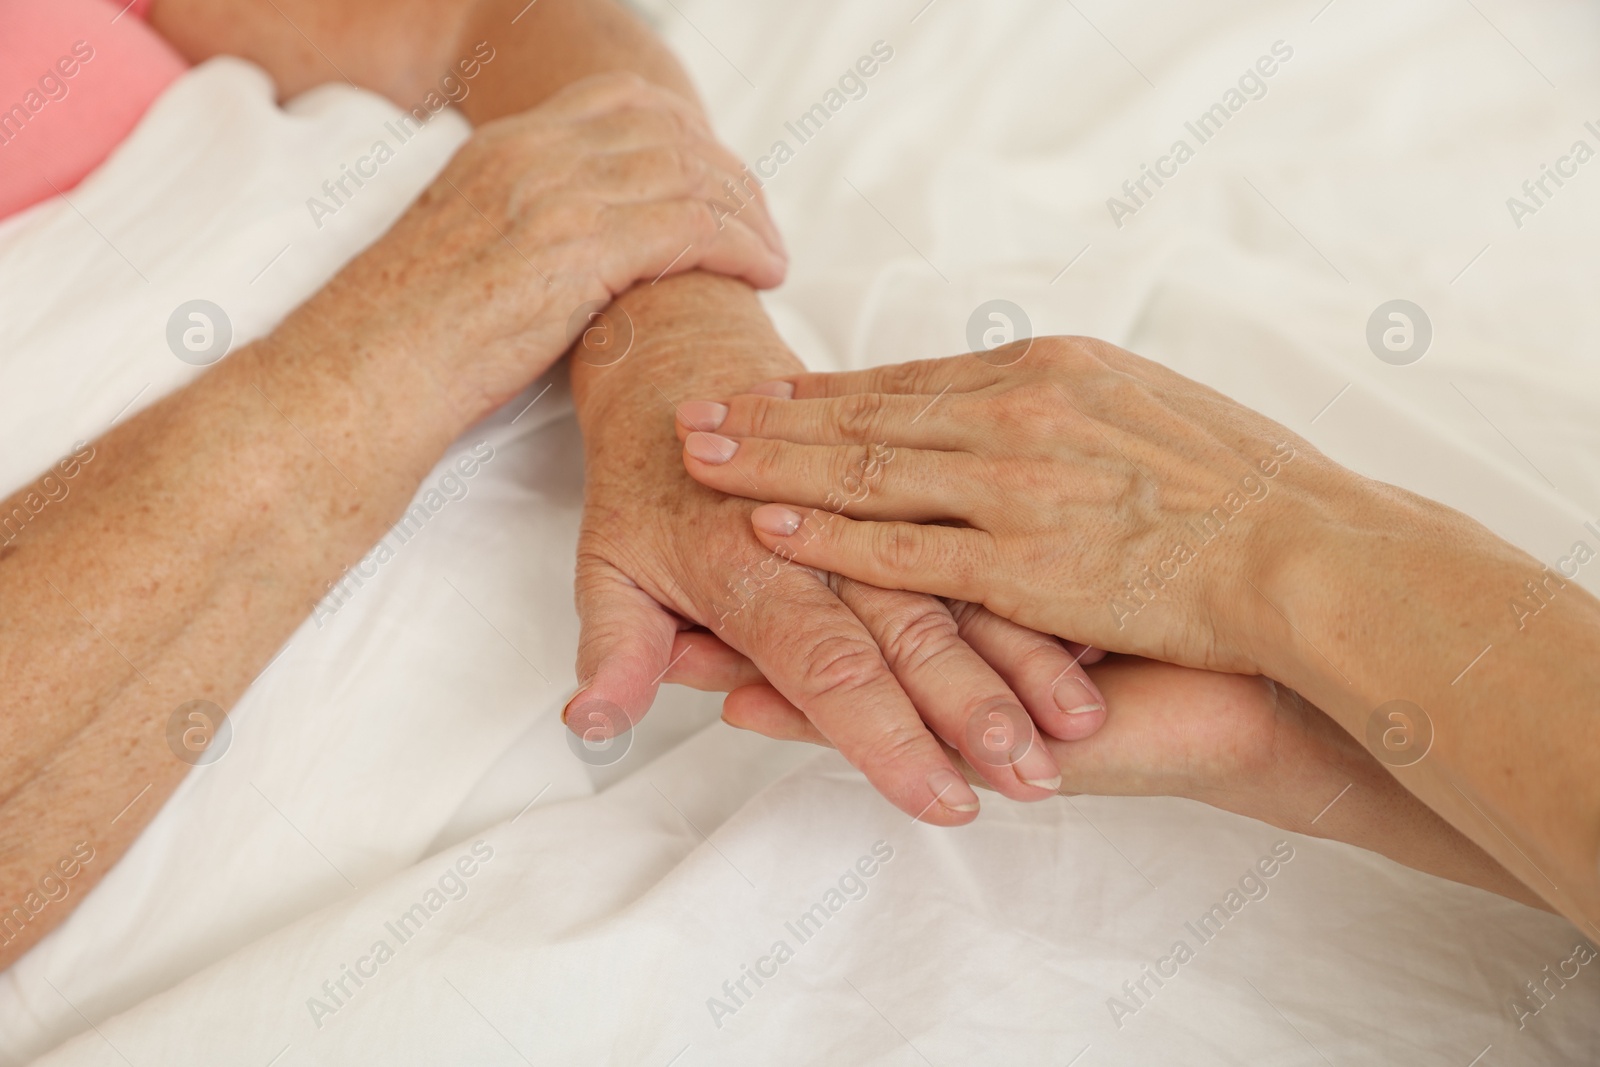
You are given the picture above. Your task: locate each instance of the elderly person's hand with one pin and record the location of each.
(885, 675)
(212, 521)
(611, 181)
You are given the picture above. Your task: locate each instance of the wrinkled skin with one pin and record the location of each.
(539, 214)
(886, 676)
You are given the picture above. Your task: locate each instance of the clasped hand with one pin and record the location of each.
(611, 181)
(1064, 484)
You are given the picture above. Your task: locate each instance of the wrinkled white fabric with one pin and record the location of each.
(420, 720)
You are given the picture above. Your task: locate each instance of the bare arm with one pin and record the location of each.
(402, 49)
(188, 548)
(1257, 749)
(196, 536)
(1241, 744)
(1204, 534)
(556, 41)
(1321, 782)
(1497, 660)
(659, 554)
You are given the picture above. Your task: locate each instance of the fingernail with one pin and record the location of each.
(573, 699)
(775, 519)
(781, 390)
(1076, 698)
(711, 447)
(702, 415)
(952, 790)
(1035, 767)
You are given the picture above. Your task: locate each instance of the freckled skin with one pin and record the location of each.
(206, 527)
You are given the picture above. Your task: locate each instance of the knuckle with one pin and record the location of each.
(840, 665)
(690, 166)
(621, 129)
(1065, 353)
(902, 547)
(1037, 413)
(663, 118)
(677, 163)
(704, 221)
(850, 476)
(1033, 655)
(758, 416)
(903, 377)
(764, 463)
(1114, 393)
(920, 632)
(593, 172)
(859, 416)
(899, 744)
(966, 613)
(618, 87)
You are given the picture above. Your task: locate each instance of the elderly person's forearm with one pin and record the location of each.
(201, 532)
(404, 49)
(235, 499)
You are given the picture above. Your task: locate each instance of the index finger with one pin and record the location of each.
(960, 374)
(820, 657)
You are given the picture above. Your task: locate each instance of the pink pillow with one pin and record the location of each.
(75, 78)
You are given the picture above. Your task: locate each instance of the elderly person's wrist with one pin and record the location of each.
(695, 334)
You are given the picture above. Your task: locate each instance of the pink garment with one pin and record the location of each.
(75, 78)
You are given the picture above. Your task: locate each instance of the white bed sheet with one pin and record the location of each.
(419, 721)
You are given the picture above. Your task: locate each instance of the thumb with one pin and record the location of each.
(624, 648)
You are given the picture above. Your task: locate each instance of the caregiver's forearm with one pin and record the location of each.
(1392, 597)
(186, 551)
(1321, 782)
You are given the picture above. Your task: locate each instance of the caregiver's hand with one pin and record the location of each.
(1098, 494)
(1103, 496)
(886, 675)
(541, 213)
(1241, 744)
